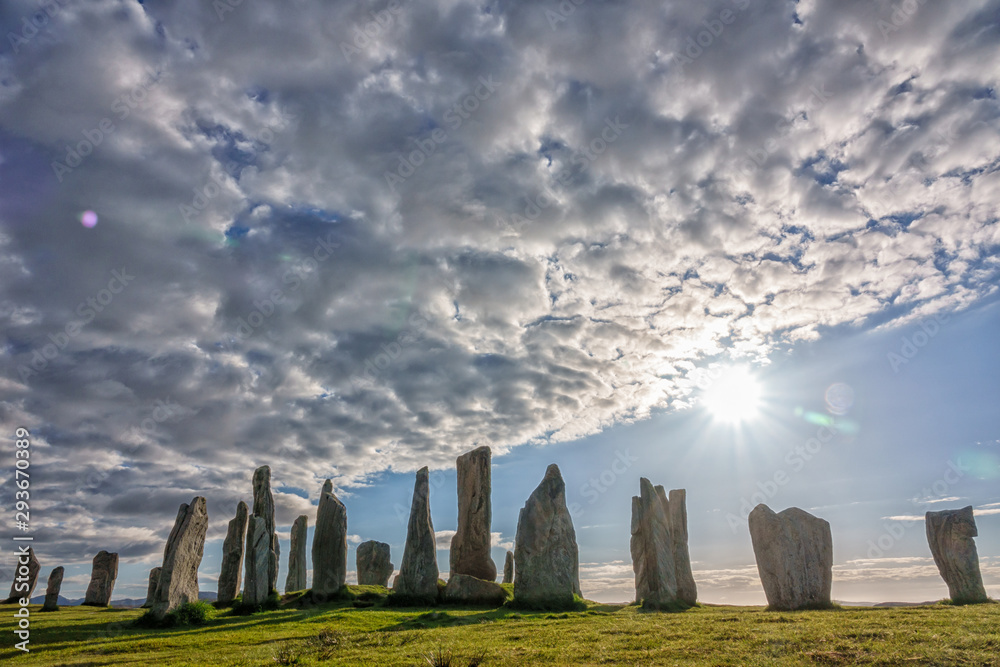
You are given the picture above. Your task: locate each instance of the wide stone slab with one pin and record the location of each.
(178, 582)
(102, 580)
(373, 563)
(465, 589)
(794, 552)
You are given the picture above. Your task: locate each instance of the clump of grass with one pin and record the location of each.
(188, 614)
(439, 658)
(286, 655)
(576, 604)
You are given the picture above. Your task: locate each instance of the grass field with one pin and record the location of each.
(341, 634)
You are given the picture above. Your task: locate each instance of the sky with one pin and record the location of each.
(744, 248)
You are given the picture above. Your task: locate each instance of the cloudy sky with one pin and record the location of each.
(347, 240)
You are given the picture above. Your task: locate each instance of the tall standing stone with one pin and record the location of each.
(52, 590)
(950, 535)
(794, 552)
(25, 577)
(231, 574)
(154, 581)
(296, 579)
(470, 547)
(329, 547)
(652, 548)
(418, 571)
(178, 583)
(687, 590)
(263, 506)
(508, 568)
(373, 564)
(545, 550)
(257, 564)
(102, 580)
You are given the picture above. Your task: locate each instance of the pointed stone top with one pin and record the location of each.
(646, 487)
(478, 450)
(242, 508)
(552, 472)
(424, 471)
(199, 504)
(327, 488)
(264, 472)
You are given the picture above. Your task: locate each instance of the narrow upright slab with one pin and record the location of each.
(329, 547)
(257, 565)
(178, 583)
(794, 552)
(687, 590)
(950, 535)
(296, 579)
(25, 576)
(508, 568)
(52, 590)
(263, 506)
(652, 548)
(373, 564)
(154, 581)
(545, 550)
(418, 572)
(102, 580)
(470, 547)
(231, 574)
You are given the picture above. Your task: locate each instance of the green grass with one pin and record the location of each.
(340, 633)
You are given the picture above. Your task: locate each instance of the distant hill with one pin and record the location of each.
(128, 603)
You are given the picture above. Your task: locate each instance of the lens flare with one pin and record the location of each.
(88, 219)
(839, 398)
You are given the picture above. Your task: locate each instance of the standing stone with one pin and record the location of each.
(25, 577)
(470, 547)
(687, 590)
(465, 589)
(257, 564)
(52, 590)
(374, 567)
(178, 582)
(545, 550)
(508, 568)
(102, 580)
(263, 506)
(296, 579)
(652, 548)
(231, 574)
(154, 580)
(418, 572)
(950, 535)
(794, 552)
(329, 547)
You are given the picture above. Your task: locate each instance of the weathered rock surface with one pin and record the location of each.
(374, 566)
(545, 551)
(231, 574)
(950, 535)
(263, 506)
(470, 546)
(25, 577)
(329, 547)
(296, 579)
(257, 563)
(466, 589)
(154, 580)
(794, 552)
(52, 590)
(687, 590)
(652, 548)
(508, 568)
(102, 580)
(178, 582)
(418, 571)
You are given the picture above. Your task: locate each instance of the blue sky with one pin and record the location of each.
(373, 238)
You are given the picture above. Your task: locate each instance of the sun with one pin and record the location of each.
(734, 396)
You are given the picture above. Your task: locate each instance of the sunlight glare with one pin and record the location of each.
(734, 397)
